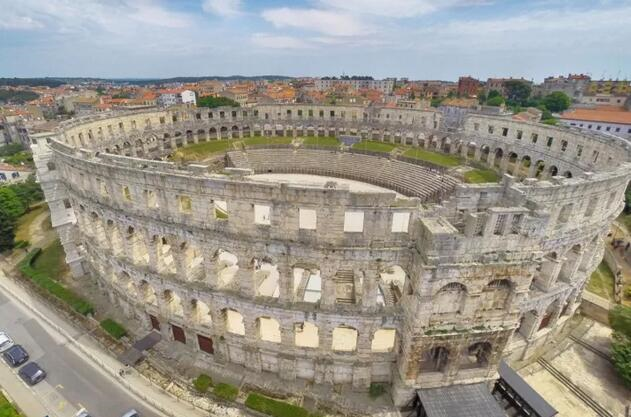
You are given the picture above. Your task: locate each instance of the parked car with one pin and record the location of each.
(131, 413)
(16, 355)
(82, 413)
(32, 373)
(5, 342)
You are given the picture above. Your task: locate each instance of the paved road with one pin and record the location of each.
(72, 382)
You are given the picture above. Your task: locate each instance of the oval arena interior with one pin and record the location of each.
(336, 265)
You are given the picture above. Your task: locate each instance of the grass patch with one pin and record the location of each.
(602, 282)
(51, 261)
(113, 328)
(24, 222)
(227, 392)
(443, 160)
(202, 383)
(262, 140)
(202, 150)
(273, 407)
(7, 409)
(373, 146)
(480, 176)
(326, 141)
(43, 280)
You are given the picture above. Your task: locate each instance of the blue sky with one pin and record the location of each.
(419, 39)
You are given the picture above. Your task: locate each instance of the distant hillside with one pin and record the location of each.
(57, 81)
(17, 96)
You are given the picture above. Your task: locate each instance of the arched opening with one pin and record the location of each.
(450, 299)
(495, 295)
(234, 322)
(147, 293)
(484, 153)
(540, 167)
(227, 267)
(383, 340)
(307, 285)
(344, 339)
(269, 329)
(173, 303)
(499, 154)
(571, 263)
(435, 359)
(306, 335)
(567, 174)
(266, 278)
(476, 356)
(200, 313)
(553, 171)
(391, 285)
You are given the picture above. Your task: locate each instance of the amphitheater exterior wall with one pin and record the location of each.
(380, 287)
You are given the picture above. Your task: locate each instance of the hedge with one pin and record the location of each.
(273, 407)
(53, 287)
(113, 328)
(202, 383)
(226, 391)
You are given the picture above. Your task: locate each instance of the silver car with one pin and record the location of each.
(131, 413)
(5, 342)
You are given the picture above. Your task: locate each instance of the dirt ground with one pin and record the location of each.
(588, 370)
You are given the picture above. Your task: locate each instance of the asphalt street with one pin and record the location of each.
(72, 382)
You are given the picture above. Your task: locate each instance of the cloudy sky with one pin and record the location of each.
(419, 39)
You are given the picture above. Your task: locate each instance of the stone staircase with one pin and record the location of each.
(344, 287)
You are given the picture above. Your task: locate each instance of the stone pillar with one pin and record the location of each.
(369, 289)
(154, 249)
(327, 301)
(210, 268)
(550, 270)
(285, 284)
(477, 154)
(245, 276)
(504, 164)
(181, 263)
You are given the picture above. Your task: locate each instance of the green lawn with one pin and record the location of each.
(444, 160)
(480, 176)
(370, 145)
(328, 141)
(113, 328)
(262, 140)
(51, 261)
(202, 150)
(6, 409)
(601, 282)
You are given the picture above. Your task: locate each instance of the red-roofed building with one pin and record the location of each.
(610, 120)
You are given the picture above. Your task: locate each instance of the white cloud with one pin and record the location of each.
(225, 8)
(331, 23)
(267, 40)
(396, 8)
(15, 22)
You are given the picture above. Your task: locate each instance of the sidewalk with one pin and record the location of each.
(83, 345)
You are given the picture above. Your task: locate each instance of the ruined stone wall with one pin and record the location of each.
(330, 285)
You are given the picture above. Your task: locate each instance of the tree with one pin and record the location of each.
(557, 101)
(517, 91)
(7, 230)
(213, 102)
(10, 203)
(481, 98)
(495, 101)
(621, 356)
(493, 94)
(620, 320)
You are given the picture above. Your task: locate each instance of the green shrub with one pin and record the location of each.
(202, 383)
(621, 356)
(53, 287)
(620, 320)
(226, 391)
(113, 328)
(274, 407)
(376, 390)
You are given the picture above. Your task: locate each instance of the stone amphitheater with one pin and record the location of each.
(416, 280)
